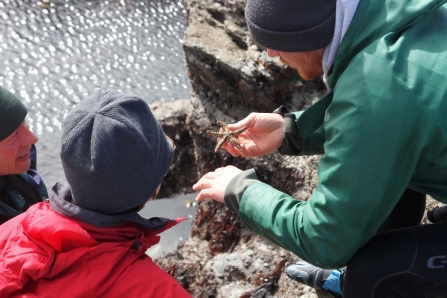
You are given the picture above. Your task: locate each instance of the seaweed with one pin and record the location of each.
(218, 225)
(266, 284)
(226, 233)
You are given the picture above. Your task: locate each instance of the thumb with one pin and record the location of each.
(247, 121)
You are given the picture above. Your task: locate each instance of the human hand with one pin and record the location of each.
(213, 184)
(264, 134)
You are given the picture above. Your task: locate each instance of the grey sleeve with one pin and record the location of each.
(237, 186)
(293, 139)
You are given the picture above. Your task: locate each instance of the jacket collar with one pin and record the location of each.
(60, 197)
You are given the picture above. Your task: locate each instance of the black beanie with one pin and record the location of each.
(114, 152)
(12, 113)
(291, 25)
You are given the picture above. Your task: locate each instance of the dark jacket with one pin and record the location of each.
(19, 192)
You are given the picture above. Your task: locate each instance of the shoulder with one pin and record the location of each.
(396, 74)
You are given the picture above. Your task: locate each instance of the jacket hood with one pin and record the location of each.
(43, 243)
(376, 19)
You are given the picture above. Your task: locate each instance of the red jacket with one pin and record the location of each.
(45, 254)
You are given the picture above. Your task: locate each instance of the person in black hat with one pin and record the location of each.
(20, 184)
(381, 131)
(115, 155)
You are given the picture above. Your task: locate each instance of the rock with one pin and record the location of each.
(231, 77)
(182, 173)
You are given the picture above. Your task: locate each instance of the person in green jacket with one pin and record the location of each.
(20, 184)
(381, 131)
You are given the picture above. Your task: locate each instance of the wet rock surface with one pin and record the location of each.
(182, 173)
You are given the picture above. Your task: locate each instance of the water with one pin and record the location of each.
(177, 206)
(55, 53)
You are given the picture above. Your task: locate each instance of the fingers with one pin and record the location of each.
(246, 150)
(204, 186)
(203, 194)
(247, 121)
(213, 184)
(203, 183)
(206, 181)
(235, 126)
(231, 149)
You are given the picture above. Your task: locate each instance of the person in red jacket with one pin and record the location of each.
(88, 240)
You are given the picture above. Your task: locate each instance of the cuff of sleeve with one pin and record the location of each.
(237, 187)
(293, 139)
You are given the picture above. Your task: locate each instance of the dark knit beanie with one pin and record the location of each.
(291, 25)
(12, 113)
(114, 152)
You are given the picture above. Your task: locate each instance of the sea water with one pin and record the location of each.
(54, 53)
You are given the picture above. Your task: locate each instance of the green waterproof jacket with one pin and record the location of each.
(381, 128)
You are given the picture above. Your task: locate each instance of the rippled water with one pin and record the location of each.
(55, 53)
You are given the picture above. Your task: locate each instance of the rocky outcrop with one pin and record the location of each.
(230, 78)
(182, 173)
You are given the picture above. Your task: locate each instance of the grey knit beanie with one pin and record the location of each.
(12, 113)
(291, 25)
(114, 152)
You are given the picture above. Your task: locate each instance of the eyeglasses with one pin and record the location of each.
(171, 142)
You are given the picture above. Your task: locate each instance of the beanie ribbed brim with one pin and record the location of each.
(306, 40)
(12, 113)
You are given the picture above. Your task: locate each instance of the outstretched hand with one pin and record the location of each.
(264, 134)
(213, 184)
